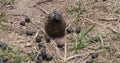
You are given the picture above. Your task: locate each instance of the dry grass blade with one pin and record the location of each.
(71, 57)
(110, 19)
(113, 30)
(54, 45)
(35, 36)
(83, 56)
(49, 51)
(37, 55)
(65, 56)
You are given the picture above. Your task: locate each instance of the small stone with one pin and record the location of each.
(94, 55)
(47, 38)
(28, 45)
(78, 29)
(40, 46)
(22, 23)
(40, 58)
(60, 45)
(3, 45)
(38, 39)
(29, 32)
(49, 57)
(5, 59)
(69, 30)
(43, 52)
(27, 19)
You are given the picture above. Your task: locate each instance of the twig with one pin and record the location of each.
(42, 10)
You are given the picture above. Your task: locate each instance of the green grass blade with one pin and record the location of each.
(81, 43)
(101, 40)
(86, 32)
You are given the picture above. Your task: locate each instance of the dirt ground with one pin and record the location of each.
(105, 14)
